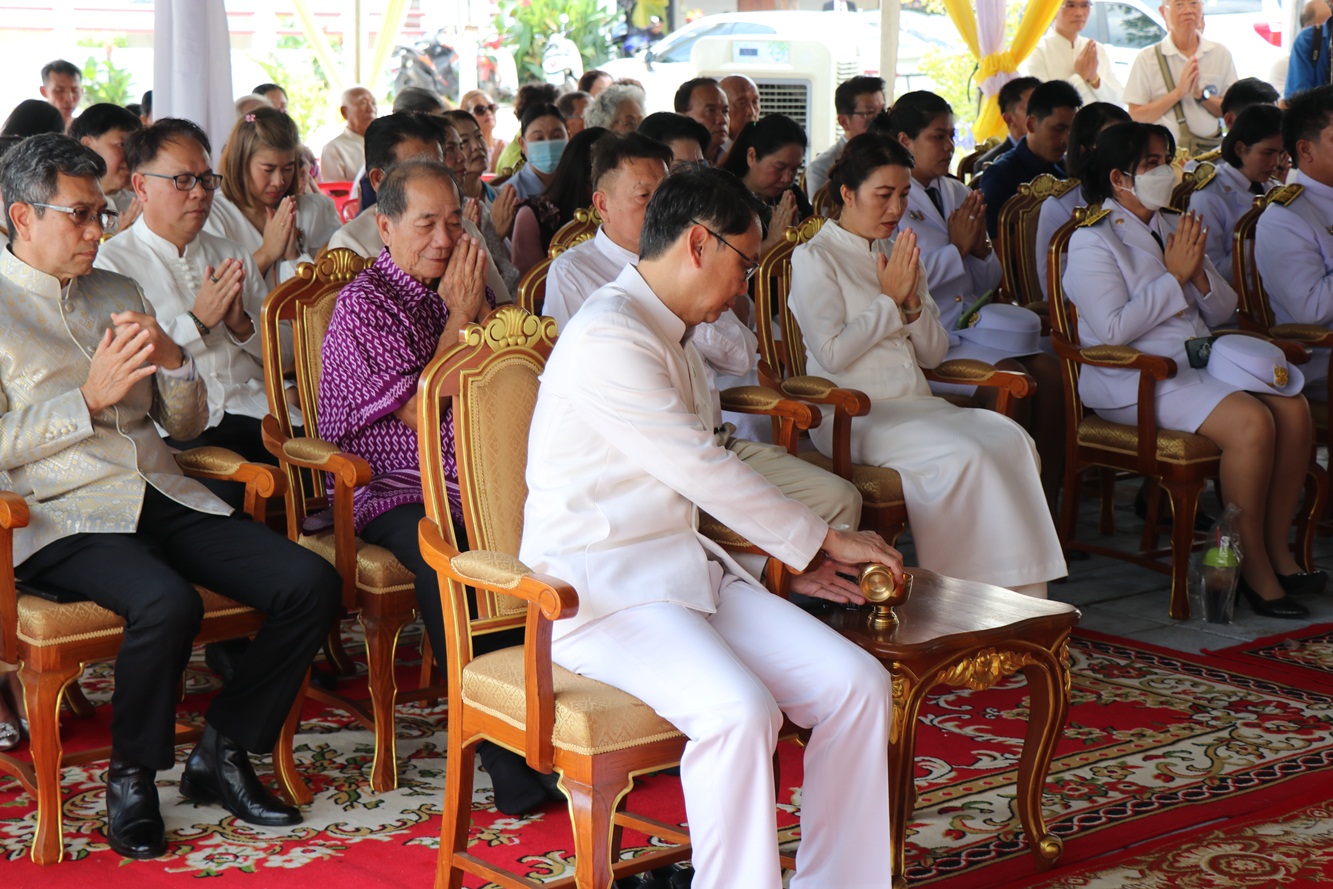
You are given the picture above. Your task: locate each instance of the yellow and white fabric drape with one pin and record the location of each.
(983, 32)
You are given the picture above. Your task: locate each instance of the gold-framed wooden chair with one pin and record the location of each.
(582, 227)
(967, 166)
(51, 641)
(1016, 241)
(531, 295)
(782, 366)
(504, 175)
(597, 737)
(1189, 180)
(823, 204)
(1180, 462)
(376, 586)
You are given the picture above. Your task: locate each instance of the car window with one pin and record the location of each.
(678, 50)
(1128, 27)
(751, 28)
(1229, 7)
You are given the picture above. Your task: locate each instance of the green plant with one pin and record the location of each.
(104, 80)
(527, 24)
(302, 78)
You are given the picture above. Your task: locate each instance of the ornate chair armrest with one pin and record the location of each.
(13, 514)
(1127, 358)
(1295, 351)
(262, 483)
(548, 600)
(1309, 334)
(818, 390)
(1152, 369)
(323, 456)
(969, 371)
(789, 416)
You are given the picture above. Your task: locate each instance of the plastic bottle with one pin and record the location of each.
(1218, 571)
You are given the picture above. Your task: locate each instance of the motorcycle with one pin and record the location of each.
(428, 64)
(562, 61)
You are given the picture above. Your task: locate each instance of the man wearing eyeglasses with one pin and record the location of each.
(1179, 82)
(205, 289)
(857, 102)
(85, 371)
(1065, 55)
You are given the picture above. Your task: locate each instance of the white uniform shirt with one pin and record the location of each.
(575, 274)
(1054, 213)
(316, 216)
(232, 369)
(1221, 203)
(1053, 59)
(816, 174)
(342, 157)
(362, 237)
(1145, 82)
(614, 510)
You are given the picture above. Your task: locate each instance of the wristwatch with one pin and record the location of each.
(1208, 92)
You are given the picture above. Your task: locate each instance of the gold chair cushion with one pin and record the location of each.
(880, 486)
(1172, 446)
(377, 571)
(721, 534)
(43, 623)
(591, 717)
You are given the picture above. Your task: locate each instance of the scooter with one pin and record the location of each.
(562, 61)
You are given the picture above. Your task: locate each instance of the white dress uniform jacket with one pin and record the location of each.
(232, 369)
(1116, 276)
(1053, 59)
(316, 216)
(1222, 201)
(626, 456)
(816, 174)
(1294, 250)
(1054, 213)
(1145, 82)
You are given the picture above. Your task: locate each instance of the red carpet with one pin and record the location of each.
(1158, 743)
(1303, 657)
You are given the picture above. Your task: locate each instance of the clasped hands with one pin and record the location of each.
(1184, 252)
(219, 299)
(122, 358)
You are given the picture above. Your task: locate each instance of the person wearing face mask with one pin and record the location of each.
(858, 291)
(537, 219)
(542, 138)
(1250, 155)
(1141, 277)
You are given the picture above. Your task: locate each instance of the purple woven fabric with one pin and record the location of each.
(382, 335)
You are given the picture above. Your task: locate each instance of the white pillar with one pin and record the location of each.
(888, 44)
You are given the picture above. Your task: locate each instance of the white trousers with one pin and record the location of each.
(724, 680)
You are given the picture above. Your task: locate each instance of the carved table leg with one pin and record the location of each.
(907, 694)
(1048, 690)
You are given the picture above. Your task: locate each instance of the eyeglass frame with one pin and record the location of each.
(106, 217)
(750, 265)
(485, 109)
(196, 179)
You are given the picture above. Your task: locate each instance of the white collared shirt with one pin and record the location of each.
(1145, 83)
(816, 174)
(233, 369)
(1053, 59)
(342, 157)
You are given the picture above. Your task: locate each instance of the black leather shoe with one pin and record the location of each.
(1303, 583)
(1284, 607)
(134, 826)
(219, 771)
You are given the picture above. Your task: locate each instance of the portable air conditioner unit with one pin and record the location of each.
(795, 77)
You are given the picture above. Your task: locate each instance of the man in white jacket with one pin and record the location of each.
(665, 614)
(1065, 55)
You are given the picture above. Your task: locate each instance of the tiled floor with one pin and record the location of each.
(1125, 600)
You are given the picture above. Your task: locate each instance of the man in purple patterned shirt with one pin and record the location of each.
(401, 311)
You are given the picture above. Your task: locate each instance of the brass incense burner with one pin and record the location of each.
(883, 592)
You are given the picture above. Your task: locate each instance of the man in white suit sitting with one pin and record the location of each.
(620, 462)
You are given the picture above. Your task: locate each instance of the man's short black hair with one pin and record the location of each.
(1308, 114)
(682, 100)
(1011, 94)
(30, 173)
(1246, 92)
(146, 143)
(386, 133)
(1051, 95)
(709, 197)
(98, 120)
(667, 126)
(844, 97)
(265, 88)
(146, 103)
(60, 66)
(613, 149)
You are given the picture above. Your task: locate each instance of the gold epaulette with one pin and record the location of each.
(1286, 194)
(1094, 216)
(1213, 155)
(1203, 174)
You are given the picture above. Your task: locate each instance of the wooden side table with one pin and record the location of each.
(957, 632)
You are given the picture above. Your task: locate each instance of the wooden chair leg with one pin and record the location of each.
(460, 766)
(1068, 525)
(1184, 507)
(429, 674)
(1307, 520)
(41, 695)
(591, 807)
(1153, 518)
(336, 653)
(76, 701)
(291, 786)
(381, 639)
(1106, 518)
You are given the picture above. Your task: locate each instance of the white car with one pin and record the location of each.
(664, 67)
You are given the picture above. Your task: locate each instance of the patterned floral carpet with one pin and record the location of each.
(1304, 658)
(1159, 745)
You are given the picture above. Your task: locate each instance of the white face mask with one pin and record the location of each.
(1154, 188)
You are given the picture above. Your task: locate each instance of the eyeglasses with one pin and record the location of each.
(81, 216)
(874, 113)
(187, 181)
(478, 110)
(750, 265)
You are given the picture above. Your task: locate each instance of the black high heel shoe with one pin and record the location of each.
(1286, 607)
(1303, 583)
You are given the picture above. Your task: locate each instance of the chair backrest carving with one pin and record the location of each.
(1016, 236)
(583, 227)
(491, 379)
(824, 204)
(781, 349)
(968, 163)
(1255, 312)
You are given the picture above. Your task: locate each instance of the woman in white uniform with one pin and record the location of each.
(1141, 278)
(1250, 155)
(261, 206)
(1055, 212)
(869, 322)
(949, 220)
